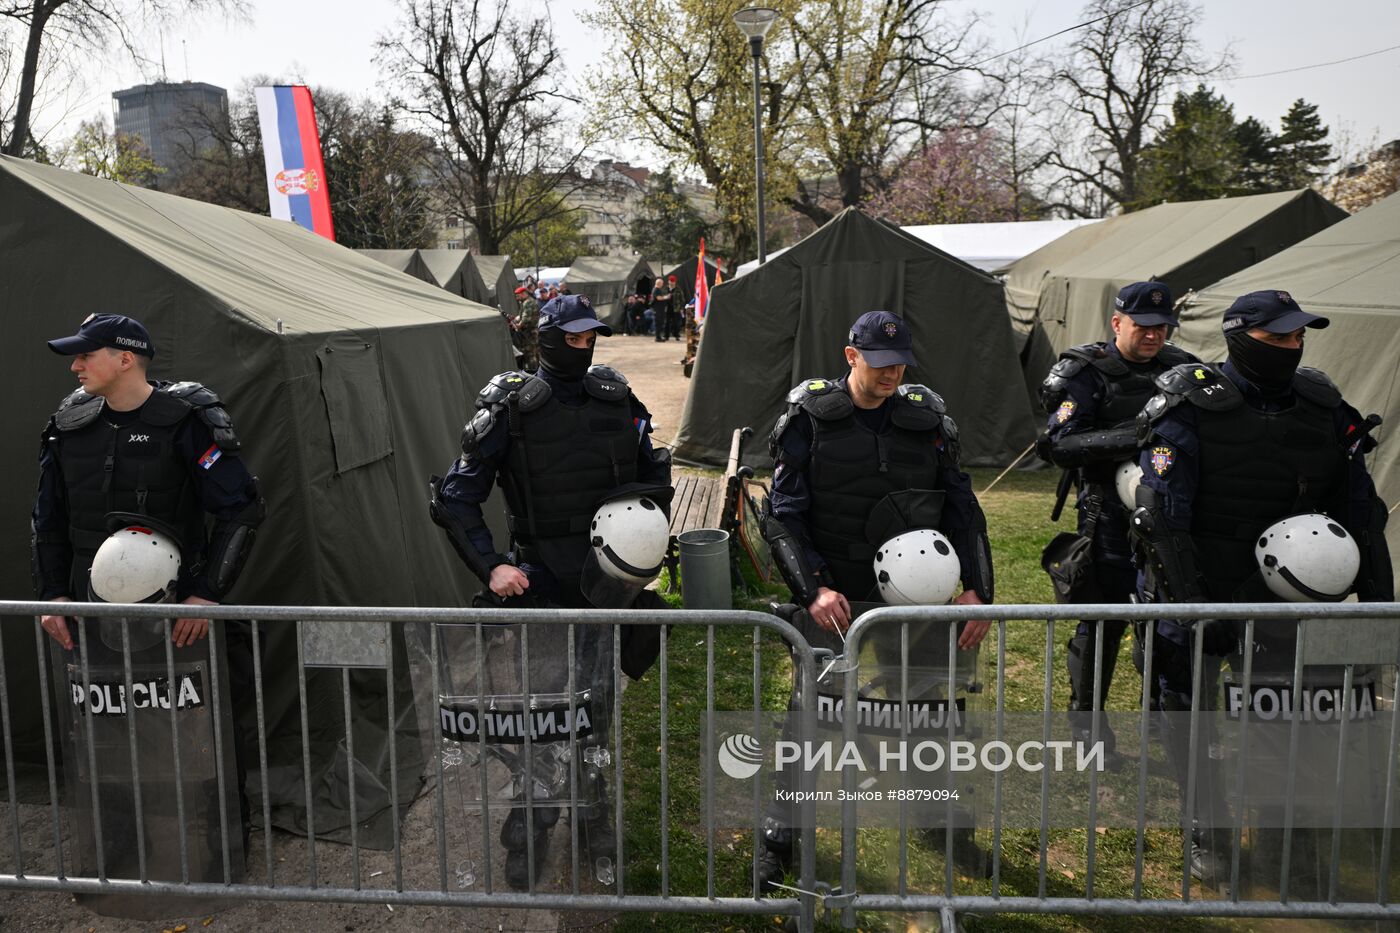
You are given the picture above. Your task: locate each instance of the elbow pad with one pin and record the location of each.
(230, 545)
(791, 560)
(1375, 581)
(976, 555)
(1171, 555)
(1094, 446)
(456, 534)
(50, 563)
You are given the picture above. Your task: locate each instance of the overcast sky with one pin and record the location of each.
(331, 43)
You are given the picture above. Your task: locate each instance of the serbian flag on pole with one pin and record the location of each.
(296, 176)
(702, 286)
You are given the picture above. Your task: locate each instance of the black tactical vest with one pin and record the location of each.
(573, 457)
(1258, 467)
(128, 469)
(852, 469)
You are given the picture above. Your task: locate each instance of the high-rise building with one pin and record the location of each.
(163, 116)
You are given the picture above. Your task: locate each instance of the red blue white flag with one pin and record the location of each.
(296, 176)
(702, 286)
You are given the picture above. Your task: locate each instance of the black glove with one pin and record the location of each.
(1220, 637)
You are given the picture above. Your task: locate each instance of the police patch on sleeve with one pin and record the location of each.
(1065, 411)
(1162, 459)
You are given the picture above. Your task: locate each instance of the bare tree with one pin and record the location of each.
(81, 27)
(1021, 89)
(1121, 73)
(486, 85)
(871, 80)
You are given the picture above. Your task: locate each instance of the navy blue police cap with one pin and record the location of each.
(572, 314)
(883, 339)
(1273, 310)
(106, 330)
(1147, 303)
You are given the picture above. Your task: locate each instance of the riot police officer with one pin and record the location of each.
(560, 441)
(1228, 450)
(123, 451)
(122, 444)
(1092, 395)
(858, 460)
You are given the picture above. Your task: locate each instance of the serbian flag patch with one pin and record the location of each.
(210, 456)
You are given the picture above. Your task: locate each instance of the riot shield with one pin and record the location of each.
(524, 714)
(1302, 759)
(149, 761)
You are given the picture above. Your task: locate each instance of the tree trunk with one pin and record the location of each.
(28, 80)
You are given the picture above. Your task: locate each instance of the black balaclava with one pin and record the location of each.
(559, 359)
(1269, 367)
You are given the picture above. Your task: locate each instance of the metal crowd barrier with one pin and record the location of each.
(279, 883)
(1383, 632)
(47, 865)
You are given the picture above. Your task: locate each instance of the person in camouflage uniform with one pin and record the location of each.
(526, 327)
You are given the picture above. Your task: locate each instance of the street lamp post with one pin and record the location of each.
(755, 21)
(1103, 154)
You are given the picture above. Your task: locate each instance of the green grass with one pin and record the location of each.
(1018, 518)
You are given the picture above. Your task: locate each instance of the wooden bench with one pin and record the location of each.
(698, 502)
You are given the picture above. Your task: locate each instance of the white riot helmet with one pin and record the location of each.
(1308, 558)
(137, 564)
(629, 538)
(917, 568)
(1127, 478)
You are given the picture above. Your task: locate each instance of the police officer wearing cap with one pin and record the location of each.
(859, 446)
(1092, 395)
(1229, 449)
(559, 441)
(122, 444)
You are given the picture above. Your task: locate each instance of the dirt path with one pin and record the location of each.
(654, 371)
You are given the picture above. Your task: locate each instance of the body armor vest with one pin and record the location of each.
(128, 469)
(851, 469)
(573, 457)
(1256, 468)
(1125, 390)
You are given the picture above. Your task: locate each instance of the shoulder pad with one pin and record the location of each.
(1056, 383)
(1201, 384)
(918, 408)
(952, 447)
(1314, 385)
(170, 404)
(78, 410)
(822, 399)
(478, 428)
(1084, 353)
(921, 396)
(606, 383)
(194, 393)
(532, 391)
(1172, 355)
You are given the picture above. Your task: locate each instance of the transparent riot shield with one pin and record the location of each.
(1306, 763)
(524, 714)
(149, 762)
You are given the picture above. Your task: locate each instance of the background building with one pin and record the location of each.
(160, 115)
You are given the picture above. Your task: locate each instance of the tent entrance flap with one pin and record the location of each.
(356, 405)
(834, 292)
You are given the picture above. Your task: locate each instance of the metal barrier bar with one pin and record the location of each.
(1045, 772)
(136, 787)
(306, 754)
(170, 680)
(10, 765)
(391, 723)
(41, 640)
(256, 636)
(1145, 713)
(664, 662)
(948, 903)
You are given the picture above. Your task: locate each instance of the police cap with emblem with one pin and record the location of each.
(1147, 303)
(572, 314)
(1274, 311)
(106, 330)
(883, 339)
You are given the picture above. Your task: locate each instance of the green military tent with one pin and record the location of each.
(499, 277)
(606, 281)
(406, 261)
(454, 270)
(1349, 273)
(348, 384)
(788, 321)
(1187, 245)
